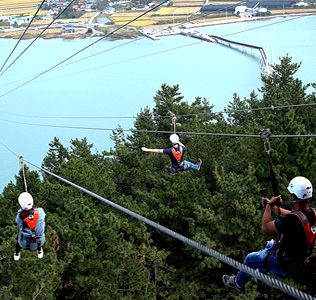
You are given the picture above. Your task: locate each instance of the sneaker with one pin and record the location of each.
(230, 281)
(40, 253)
(16, 256)
(199, 162)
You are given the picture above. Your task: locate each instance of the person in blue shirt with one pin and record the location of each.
(289, 253)
(31, 223)
(176, 154)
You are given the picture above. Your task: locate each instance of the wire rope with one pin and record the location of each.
(76, 53)
(58, 15)
(27, 27)
(227, 260)
(124, 61)
(9, 149)
(128, 42)
(130, 130)
(58, 66)
(114, 47)
(107, 50)
(160, 131)
(227, 111)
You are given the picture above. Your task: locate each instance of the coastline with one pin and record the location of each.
(238, 20)
(33, 32)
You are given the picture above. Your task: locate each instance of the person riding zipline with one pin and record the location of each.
(31, 222)
(176, 154)
(296, 231)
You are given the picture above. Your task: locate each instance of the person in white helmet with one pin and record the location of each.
(31, 223)
(176, 154)
(296, 231)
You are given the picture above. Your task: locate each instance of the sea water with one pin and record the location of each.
(116, 79)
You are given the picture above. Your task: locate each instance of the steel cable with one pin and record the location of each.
(27, 27)
(227, 111)
(264, 278)
(58, 15)
(227, 260)
(76, 53)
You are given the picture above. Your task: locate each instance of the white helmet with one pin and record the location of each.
(26, 201)
(301, 187)
(174, 138)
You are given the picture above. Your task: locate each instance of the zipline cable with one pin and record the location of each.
(9, 149)
(258, 275)
(264, 278)
(179, 24)
(27, 27)
(107, 50)
(134, 130)
(162, 131)
(76, 53)
(158, 116)
(58, 15)
(57, 66)
(117, 46)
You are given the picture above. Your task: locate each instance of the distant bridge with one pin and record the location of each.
(217, 39)
(159, 32)
(263, 55)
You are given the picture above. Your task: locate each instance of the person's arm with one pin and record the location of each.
(152, 150)
(268, 226)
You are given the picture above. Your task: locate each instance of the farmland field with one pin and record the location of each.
(18, 7)
(165, 11)
(185, 10)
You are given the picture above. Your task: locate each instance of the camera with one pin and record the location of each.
(264, 192)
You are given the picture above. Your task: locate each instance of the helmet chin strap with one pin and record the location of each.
(296, 201)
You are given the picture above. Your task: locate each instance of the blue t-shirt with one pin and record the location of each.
(174, 161)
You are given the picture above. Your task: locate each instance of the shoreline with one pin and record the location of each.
(136, 33)
(238, 20)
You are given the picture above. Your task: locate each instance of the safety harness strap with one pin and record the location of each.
(310, 231)
(178, 154)
(31, 221)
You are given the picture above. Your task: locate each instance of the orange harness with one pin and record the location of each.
(178, 154)
(31, 220)
(310, 232)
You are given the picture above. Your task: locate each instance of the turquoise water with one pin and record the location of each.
(121, 81)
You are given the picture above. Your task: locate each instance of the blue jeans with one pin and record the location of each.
(186, 165)
(255, 260)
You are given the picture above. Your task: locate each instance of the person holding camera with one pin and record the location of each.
(285, 256)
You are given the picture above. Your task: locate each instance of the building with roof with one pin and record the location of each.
(249, 4)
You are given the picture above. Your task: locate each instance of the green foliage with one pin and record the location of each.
(94, 251)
